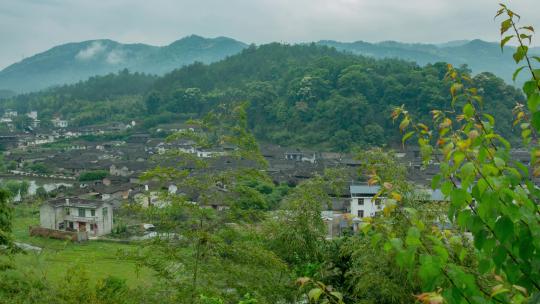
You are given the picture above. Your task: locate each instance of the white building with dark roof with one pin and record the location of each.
(364, 204)
(76, 214)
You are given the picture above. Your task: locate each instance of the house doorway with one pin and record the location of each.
(82, 226)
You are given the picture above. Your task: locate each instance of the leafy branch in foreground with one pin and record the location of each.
(493, 197)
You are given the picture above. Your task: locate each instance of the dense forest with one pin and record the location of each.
(303, 95)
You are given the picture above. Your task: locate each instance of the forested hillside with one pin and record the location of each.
(480, 56)
(302, 95)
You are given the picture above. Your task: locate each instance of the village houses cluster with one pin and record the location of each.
(62, 153)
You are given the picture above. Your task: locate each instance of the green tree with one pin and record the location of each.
(5, 219)
(492, 196)
(153, 102)
(41, 192)
(218, 254)
(93, 175)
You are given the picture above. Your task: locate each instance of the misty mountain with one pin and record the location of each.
(480, 56)
(72, 62)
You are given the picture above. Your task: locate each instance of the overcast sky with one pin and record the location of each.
(31, 26)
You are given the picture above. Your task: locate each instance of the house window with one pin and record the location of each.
(360, 202)
(67, 211)
(105, 212)
(360, 213)
(70, 225)
(93, 212)
(61, 226)
(378, 202)
(82, 212)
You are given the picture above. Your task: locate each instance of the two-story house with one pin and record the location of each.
(77, 214)
(363, 203)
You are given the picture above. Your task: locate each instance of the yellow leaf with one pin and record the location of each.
(396, 196)
(373, 181)
(303, 280)
(423, 126)
(446, 123)
(473, 134)
(498, 289)
(404, 123)
(521, 289)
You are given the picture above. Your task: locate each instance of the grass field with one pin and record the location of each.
(100, 259)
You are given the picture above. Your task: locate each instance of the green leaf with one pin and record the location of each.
(435, 181)
(458, 157)
(407, 136)
(489, 118)
(429, 271)
(446, 188)
(404, 123)
(505, 25)
(484, 265)
(459, 198)
(505, 40)
(413, 237)
(526, 133)
(504, 229)
(462, 254)
(442, 253)
(464, 218)
(530, 87)
(499, 256)
(468, 110)
(533, 102)
(536, 120)
(536, 73)
(516, 72)
(499, 162)
(315, 294)
(498, 289)
(529, 28)
(337, 295)
(376, 239)
(520, 53)
(396, 243)
(467, 170)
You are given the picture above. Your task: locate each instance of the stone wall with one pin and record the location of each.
(58, 234)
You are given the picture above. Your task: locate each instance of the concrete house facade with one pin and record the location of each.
(59, 123)
(75, 214)
(363, 203)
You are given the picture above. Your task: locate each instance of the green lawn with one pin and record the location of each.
(100, 259)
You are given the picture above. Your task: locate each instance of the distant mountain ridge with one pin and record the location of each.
(72, 62)
(479, 55)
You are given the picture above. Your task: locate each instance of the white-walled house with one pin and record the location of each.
(59, 123)
(33, 115)
(10, 113)
(76, 214)
(363, 203)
